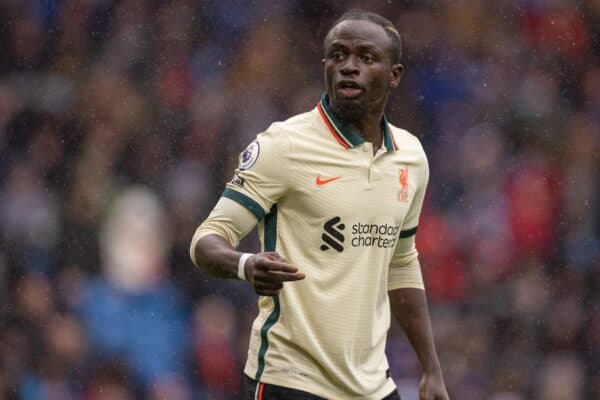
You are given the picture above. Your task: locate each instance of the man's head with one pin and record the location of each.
(386, 24)
(361, 64)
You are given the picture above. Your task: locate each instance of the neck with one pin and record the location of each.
(367, 124)
(369, 127)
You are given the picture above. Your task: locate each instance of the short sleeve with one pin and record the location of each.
(264, 172)
(405, 269)
(411, 222)
(227, 219)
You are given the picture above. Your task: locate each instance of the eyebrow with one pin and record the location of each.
(367, 47)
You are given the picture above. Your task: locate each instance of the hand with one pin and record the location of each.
(267, 272)
(432, 387)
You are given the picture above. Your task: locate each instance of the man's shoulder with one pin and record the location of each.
(284, 134)
(405, 139)
(298, 122)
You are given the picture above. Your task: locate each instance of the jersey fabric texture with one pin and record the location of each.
(338, 212)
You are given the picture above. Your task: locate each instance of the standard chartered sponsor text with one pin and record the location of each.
(374, 235)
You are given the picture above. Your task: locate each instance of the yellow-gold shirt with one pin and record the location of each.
(347, 219)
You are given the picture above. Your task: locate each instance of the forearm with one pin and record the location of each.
(213, 245)
(265, 271)
(216, 256)
(409, 307)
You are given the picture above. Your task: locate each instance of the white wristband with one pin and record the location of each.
(242, 265)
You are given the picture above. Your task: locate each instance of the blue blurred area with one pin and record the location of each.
(100, 97)
(149, 330)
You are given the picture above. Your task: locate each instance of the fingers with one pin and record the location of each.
(276, 257)
(265, 264)
(275, 278)
(432, 392)
(269, 271)
(286, 276)
(426, 394)
(267, 289)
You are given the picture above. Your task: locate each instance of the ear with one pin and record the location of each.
(396, 75)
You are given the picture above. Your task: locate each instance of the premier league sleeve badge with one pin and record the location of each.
(249, 155)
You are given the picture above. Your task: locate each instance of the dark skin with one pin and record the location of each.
(359, 73)
(358, 55)
(266, 271)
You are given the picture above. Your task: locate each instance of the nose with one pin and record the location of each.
(350, 65)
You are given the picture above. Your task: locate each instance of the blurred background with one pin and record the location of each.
(121, 121)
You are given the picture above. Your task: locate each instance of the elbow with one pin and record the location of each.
(209, 253)
(193, 252)
(197, 253)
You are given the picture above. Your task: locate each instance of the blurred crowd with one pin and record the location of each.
(121, 121)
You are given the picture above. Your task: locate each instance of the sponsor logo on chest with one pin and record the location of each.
(360, 235)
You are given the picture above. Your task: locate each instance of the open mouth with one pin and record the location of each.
(349, 88)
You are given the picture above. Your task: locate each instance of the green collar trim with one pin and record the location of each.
(345, 135)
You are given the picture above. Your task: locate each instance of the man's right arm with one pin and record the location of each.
(214, 242)
(215, 255)
(213, 250)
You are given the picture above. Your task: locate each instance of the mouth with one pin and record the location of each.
(349, 88)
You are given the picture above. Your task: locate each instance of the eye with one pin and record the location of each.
(338, 55)
(367, 58)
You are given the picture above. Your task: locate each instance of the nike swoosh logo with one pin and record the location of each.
(321, 182)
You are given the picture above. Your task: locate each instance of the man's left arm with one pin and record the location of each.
(408, 304)
(406, 292)
(409, 307)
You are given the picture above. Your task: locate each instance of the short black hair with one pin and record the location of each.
(385, 23)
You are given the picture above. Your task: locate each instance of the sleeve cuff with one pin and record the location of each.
(246, 202)
(408, 232)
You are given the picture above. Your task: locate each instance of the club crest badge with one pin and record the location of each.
(403, 193)
(249, 156)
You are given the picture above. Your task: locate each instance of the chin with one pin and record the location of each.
(351, 109)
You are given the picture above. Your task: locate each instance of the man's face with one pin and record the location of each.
(358, 68)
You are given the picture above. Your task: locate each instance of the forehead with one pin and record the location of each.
(359, 32)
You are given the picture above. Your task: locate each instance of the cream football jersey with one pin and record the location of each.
(337, 211)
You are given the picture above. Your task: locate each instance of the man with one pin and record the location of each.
(337, 194)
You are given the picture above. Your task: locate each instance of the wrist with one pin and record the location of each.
(241, 272)
(432, 368)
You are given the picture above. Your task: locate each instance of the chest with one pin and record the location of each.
(354, 185)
